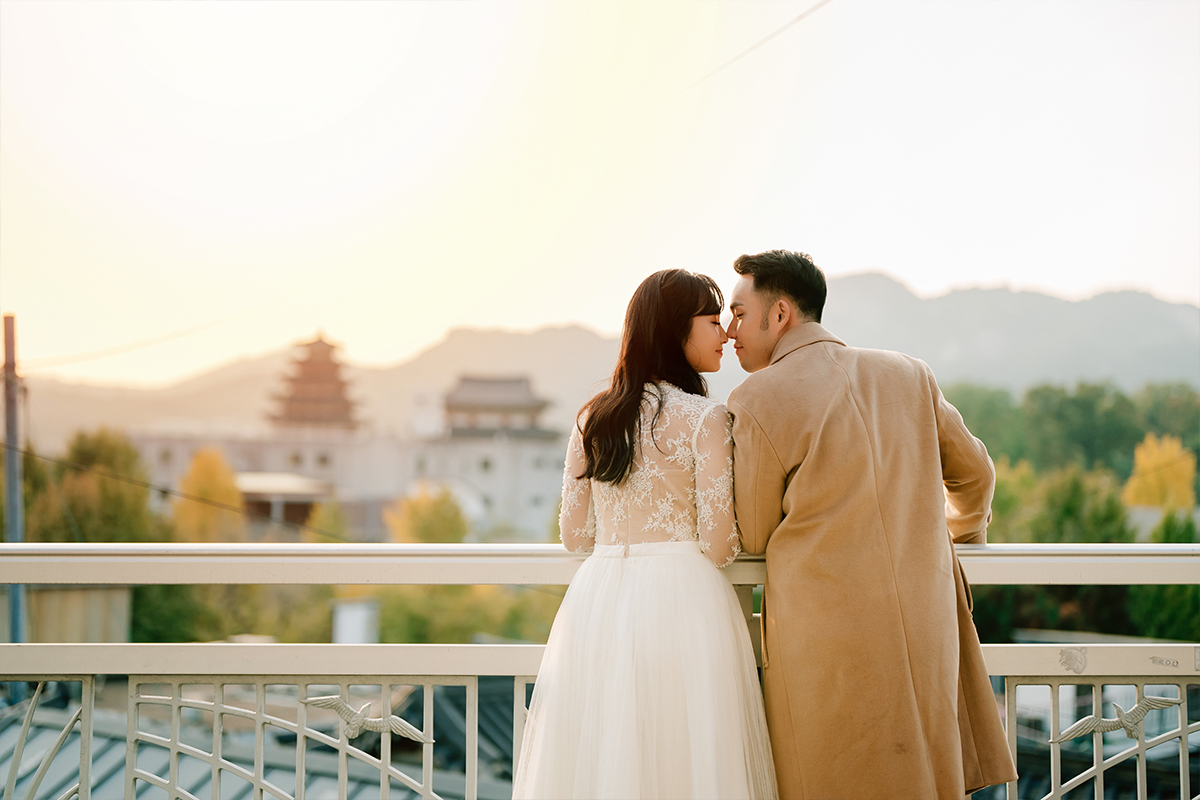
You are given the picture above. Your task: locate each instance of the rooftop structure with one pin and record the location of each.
(485, 406)
(315, 396)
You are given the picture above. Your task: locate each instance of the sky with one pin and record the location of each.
(183, 184)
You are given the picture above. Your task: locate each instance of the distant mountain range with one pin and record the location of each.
(995, 337)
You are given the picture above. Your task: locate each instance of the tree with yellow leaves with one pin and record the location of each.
(1163, 473)
(428, 517)
(209, 477)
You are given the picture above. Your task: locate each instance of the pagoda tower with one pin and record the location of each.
(315, 392)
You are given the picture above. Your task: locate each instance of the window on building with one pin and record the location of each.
(485, 464)
(323, 459)
(421, 465)
(295, 459)
(536, 500)
(164, 456)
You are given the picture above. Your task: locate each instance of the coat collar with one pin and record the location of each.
(801, 336)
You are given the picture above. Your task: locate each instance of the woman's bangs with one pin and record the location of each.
(710, 301)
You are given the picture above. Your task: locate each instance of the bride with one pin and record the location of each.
(648, 687)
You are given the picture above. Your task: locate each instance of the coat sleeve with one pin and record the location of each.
(758, 480)
(968, 476)
(577, 518)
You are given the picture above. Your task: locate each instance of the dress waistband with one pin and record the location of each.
(646, 549)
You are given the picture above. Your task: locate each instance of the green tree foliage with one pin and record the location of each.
(992, 416)
(1095, 425)
(454, 614)
(90, 502)
(1071, 505)
(1078, 506)
(1168, 612)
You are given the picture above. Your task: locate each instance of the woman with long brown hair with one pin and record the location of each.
(648, 687)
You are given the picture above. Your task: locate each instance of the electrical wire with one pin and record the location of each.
(206, 501)
(758, 44)
(129, 347)
(181, 495)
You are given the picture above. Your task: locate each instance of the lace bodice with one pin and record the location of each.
(679, 489)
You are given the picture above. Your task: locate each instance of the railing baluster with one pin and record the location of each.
(87, 698)
(301, 738)
(343, 743)
(472, 738)
(427, 747)
(1185, 771)
(1010, 730)
(173, 756)
(218, 732)
(260, 736)
(1098, 739)
(1055, 749)
(385, 743)
(131, 738)
(1141, 748)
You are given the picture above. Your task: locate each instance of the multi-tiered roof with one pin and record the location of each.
(315, 393)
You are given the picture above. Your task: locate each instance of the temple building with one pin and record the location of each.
(315, 394)
(483, 440)
(504, 468)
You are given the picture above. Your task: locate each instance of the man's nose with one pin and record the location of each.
(731, 331)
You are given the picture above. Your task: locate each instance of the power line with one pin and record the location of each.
(129, 347)
(181, 495)
(758, 44)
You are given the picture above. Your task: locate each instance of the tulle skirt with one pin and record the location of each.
(648, 687)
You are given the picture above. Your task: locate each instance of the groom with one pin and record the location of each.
(854, 474)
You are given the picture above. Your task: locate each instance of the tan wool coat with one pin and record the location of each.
(853, 475)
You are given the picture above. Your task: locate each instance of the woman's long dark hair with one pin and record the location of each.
(657, 325)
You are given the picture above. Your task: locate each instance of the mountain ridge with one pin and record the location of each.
(992, 336)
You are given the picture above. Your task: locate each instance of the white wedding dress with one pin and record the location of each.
(648, 687)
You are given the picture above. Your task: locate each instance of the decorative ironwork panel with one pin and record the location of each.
(1103, 736)
(267, 731)
(52, 759)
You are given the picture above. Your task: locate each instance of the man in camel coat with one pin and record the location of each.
(854, 475)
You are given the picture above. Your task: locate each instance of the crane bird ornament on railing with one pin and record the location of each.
(1126, 720)
(358, 721)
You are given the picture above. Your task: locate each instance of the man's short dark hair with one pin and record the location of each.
(787, 273)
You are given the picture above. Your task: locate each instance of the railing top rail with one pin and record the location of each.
(1168, 659)
(520, 550)
(330, 564)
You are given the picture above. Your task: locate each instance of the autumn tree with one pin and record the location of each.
(428, 517)
(1163, 474)
(328, 518)
(209, 477)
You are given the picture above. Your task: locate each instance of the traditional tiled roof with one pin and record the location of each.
(493, 394)
(315, 394)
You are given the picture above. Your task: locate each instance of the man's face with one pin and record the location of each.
(752, 327)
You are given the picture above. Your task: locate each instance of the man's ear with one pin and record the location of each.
(783, 313)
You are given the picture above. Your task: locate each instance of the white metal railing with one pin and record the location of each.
(157, 752)
(338, 564)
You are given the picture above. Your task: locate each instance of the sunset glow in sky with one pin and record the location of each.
(244, 174)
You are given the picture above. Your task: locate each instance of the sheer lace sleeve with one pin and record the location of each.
(715, 525)
(577, 519)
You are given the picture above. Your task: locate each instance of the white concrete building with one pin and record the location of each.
(483, 441)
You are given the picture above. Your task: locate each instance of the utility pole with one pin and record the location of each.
(14, 499)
